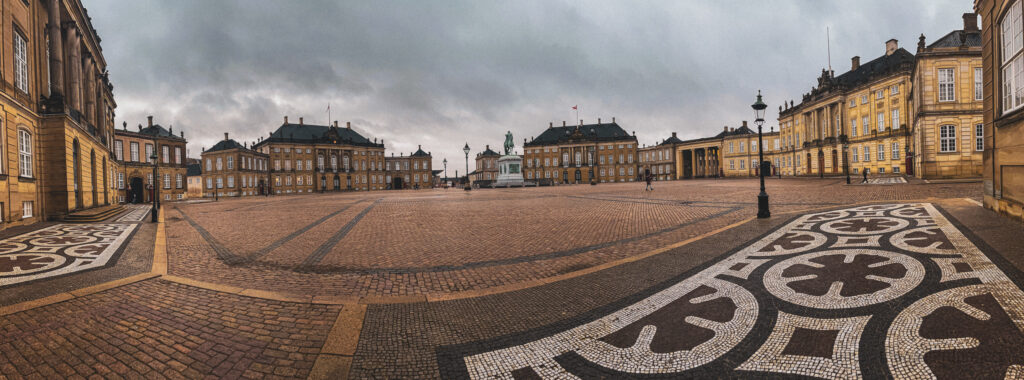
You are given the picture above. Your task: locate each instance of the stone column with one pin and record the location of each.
(56, 50)
(87, 88)
(74, 67)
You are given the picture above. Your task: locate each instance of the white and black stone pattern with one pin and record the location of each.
(880, 291)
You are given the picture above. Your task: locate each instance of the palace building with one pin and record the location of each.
(948, 129)
(1003, 105)
(486, 167)
(859, 118)
(409, 172)
(740, 152)
(233, 170)
(133, 151)
(57, 116)
(660, 159)
(582, 153)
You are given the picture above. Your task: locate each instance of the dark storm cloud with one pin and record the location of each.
(447, 72)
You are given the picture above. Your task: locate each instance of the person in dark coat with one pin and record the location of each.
(648, 177)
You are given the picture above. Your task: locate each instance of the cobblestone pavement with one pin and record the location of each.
(157, 329)
(438, 242)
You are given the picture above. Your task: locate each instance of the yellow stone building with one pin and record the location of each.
(1003, 105)
(948, 129)
(409, 172)
(859, 118)
(581, 153)
(133, 177)
(740, 152)
(231, 169)
(56, 113)
(307, 158)
(660, 159)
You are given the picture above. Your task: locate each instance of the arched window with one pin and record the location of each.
(24, 153)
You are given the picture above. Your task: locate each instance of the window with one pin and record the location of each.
(947, 138)
(979, 137)
(864, 99)
(946, 85)
(231, 182)
(895, 89)
(879, 94)
(149, 178)
(730, 147)
(167, 181)
(881, 152)
(166, 150)
(209, 183)
(853, 103)
(298, 164)
(881, 121)
(220, 183)
(209, 165)
(119, 150)
(277, 164)
(895, 169)
(231, 162)
(177, 180)
(867, 154)
(881, 170)
(753, 146)
(1012, 63)
(220, 164)
(895, 150)
(26, 209)
(133, 147)
(120, 180)
(149, 153)
(855, 156)
(742, 164)
(24, 153)
(177, 155)
(20, 63)
(978, 92)
(866, 125)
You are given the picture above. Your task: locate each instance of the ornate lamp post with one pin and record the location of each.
(762, 198)
(445, 162)
(156, 195)
(466, 150)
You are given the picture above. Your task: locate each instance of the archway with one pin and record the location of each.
(135, 189)
(821, 162)
(835, 161)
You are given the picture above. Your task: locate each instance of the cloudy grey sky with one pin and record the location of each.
(443, 73)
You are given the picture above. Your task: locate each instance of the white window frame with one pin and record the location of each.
(947, 84)
(1012, 61)
(20, 62)
(947, 138)
(895, 118)
(979, 137)
(25, 164)
(133, 151)
(979, 92)
(27, 209)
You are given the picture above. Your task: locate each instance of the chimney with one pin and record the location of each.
(140, 127)
(225, 136)
(300, 121)
(551, 124)
(348, 124)
(150, 118)
(335, 124)
(182, 134)
(744, 123)
(598, 121)
(855, 62)
(673, 134)
(891, 46)
(970, 22)
(581, 121)
(725, 128)
(487, 147)
(732, 129)
(563, 123)
(170, 129)
(286, 119)
(613, 119)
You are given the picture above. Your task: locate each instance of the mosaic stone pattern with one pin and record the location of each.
(136, 213)
(60, 250)
(892, 290)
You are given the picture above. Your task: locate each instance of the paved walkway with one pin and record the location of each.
(843, 281)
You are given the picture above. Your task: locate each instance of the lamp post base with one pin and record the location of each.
(762, 206)
(468, 188)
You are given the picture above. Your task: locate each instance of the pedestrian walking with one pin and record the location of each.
(648, 177)
(865, 175)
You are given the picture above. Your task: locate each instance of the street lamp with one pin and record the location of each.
(445, 162)
(846, 159)
(762, 198)
(466, 149)
(156, 195)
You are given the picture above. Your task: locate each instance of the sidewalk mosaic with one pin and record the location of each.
(61, 249)
(894, 290)
(136, 213)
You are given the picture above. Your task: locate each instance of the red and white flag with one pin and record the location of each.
(573, 107)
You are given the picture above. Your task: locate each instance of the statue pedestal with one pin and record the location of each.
(510, 172)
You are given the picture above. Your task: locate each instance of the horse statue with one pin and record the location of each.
(509, 144)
